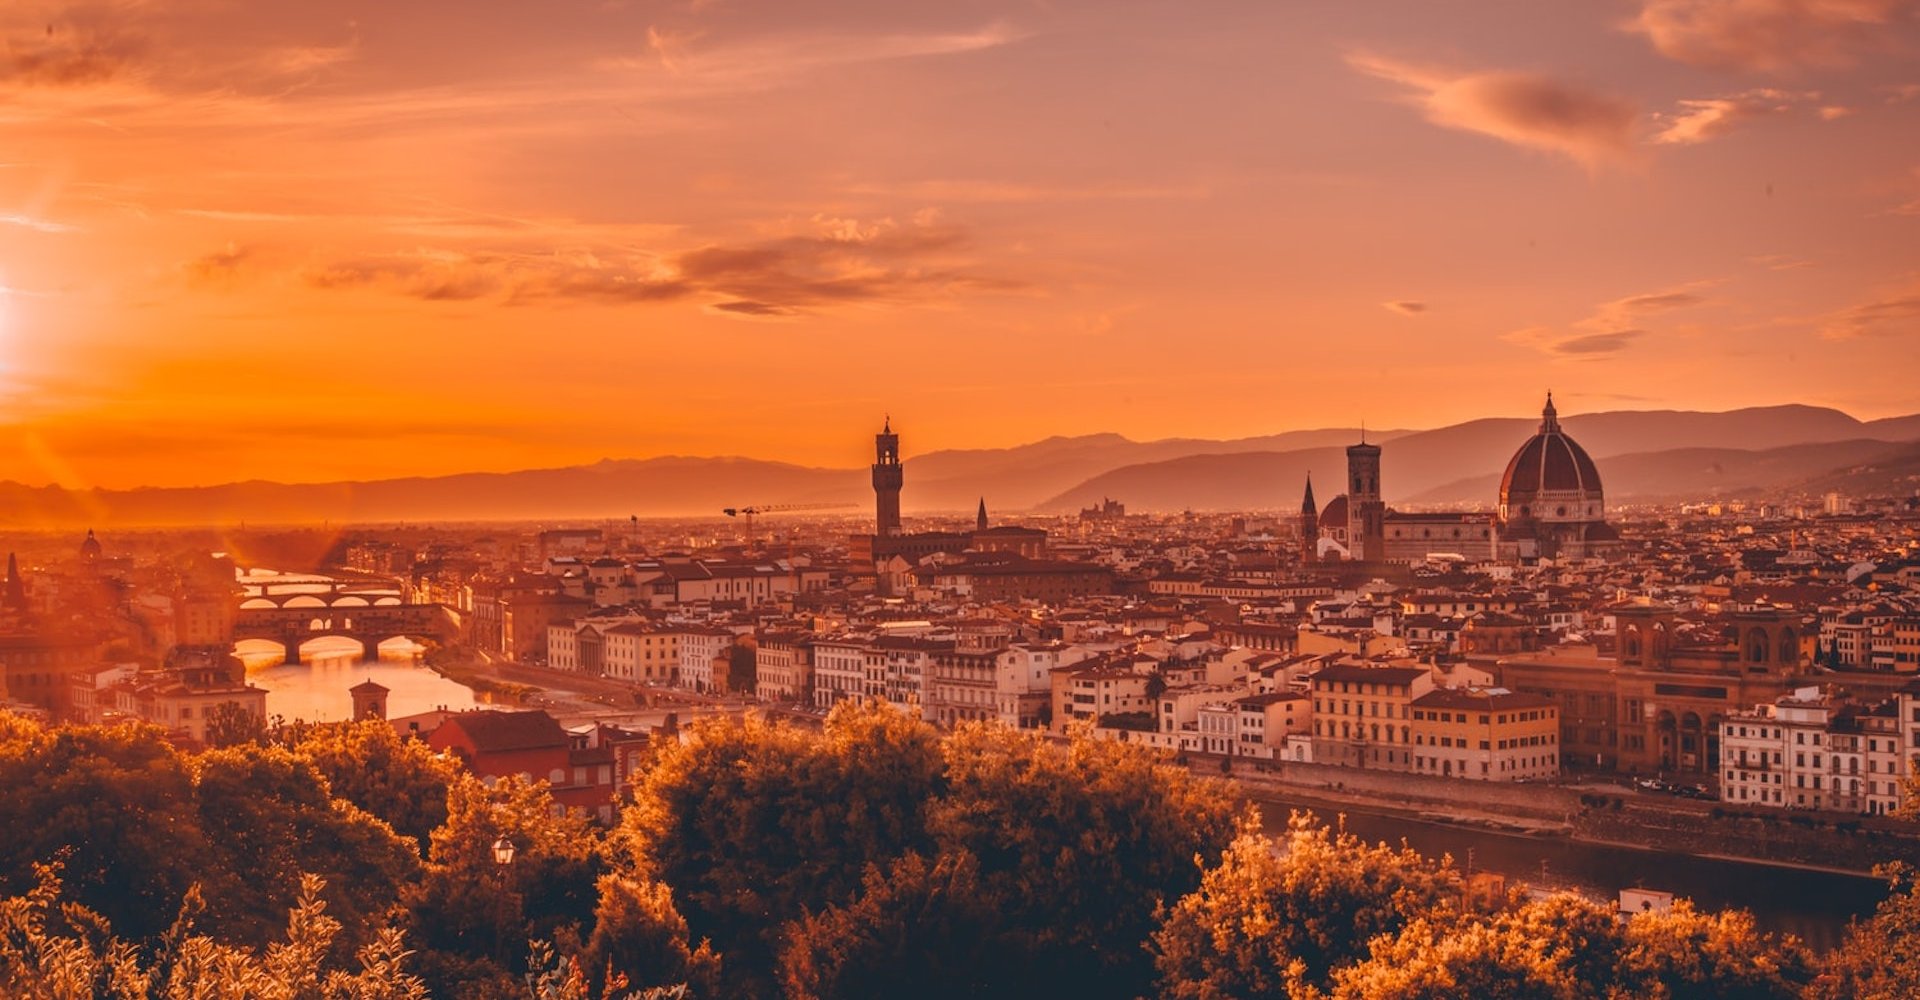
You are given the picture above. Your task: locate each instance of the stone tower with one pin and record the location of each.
(980, 519)
(369, 700)
(1366, 514)
(888, 476)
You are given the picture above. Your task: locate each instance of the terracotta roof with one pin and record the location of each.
(501, 731)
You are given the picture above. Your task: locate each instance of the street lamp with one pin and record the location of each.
(503, 852)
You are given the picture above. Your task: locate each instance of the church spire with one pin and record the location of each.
(1549, 417)
(980, 519)
(1307, 506)
(16, 595)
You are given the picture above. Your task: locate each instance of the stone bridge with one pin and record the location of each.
(371, 624)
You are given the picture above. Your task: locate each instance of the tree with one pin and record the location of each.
(229, 724)
(400, 780)
(268, 817)
(1686, 953)
(473, 916)
(755, 823)
(1272, 918)
(639, 936)
(115, 805)
(1078, 844)
(1880, 957)
(918, 928)
(1558, 948)
(54, 952)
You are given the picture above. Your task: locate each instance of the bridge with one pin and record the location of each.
(337, 597)
(370, 624)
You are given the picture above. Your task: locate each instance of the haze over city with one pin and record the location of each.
(318, 241)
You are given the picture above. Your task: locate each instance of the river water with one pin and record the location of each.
(1813, 905)
(316, 691)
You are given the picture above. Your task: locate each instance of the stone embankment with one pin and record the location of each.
(1597, 813)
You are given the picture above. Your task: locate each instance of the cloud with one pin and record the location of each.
(1523, 109)
(1612, 326)
(746, 307)
(1589, 344)
(1700, 120)
(218, 266)
(34, 223)
(1406, 307)
(1655, 301)
(1767, 36)
(1780, 261)
(1894, 314)
(839, 261)
(66, 56)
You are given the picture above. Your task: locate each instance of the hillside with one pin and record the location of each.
(1660, 453)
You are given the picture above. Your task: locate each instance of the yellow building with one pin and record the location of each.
(1362, 715)
(1487, 734)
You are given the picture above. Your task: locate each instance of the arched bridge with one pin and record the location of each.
(371, 624)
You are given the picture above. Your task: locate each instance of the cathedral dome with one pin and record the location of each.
(1551, 478)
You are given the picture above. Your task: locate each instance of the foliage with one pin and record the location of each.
(399, 780)
(640, 936)
(1686, 953)
(1880, 957)
(1558, 948)
(1078, 845)
(115, 805)
(267, 815)
(921, 928)
(755, 823)
(472, 915)
(54, 952)
(228, 724)
(1275, 917)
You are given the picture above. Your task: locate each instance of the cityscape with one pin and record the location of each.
(649, 501)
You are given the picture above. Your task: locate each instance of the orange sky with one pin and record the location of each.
(310, 239)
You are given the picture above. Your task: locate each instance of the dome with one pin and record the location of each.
(1335, 516)
(1551, 478)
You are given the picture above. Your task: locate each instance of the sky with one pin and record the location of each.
(311, 240)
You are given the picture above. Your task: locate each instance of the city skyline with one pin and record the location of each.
(319, 243)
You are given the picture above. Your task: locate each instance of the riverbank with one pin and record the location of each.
(1603, 816)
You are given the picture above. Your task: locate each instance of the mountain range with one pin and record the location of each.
(1642, 455)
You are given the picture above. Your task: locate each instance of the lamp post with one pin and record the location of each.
(502, 858)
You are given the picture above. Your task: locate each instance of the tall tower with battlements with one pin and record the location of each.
(888, 476)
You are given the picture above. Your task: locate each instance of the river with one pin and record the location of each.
(1813, 905)
(316, 691)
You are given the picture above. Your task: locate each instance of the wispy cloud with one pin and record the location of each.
(1524, 109)
(1768, 35)
(1613, 326)
(1895, 313)
(1698, 120)
(1405, 307)
(837, 262)
(35, 223)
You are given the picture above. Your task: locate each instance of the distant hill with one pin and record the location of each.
(1462, 463)
(1655, 453)
(1895, 472)
(1693, 473)
(1019, 478)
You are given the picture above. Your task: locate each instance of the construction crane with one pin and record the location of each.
(776, 508)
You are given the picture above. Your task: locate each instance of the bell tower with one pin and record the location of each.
(888, 476)
(1366, 514)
